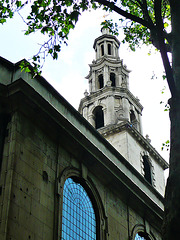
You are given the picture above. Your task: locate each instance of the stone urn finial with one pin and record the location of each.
(86, 93)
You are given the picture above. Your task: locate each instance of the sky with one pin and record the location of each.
(68, 73)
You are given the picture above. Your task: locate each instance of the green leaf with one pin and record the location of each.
(165, 145)
(2, 20)
(50, 51)
(75, 15)
(18, 4)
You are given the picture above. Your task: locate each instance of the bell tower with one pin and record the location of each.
(109, 102)
(114, 111)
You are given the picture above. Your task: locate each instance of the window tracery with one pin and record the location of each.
(81, 178)
(78, 216)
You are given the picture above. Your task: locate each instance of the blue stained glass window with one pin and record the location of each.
(138, 237)
(78, 217)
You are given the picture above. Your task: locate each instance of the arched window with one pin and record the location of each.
(98, 117)
(141, 236)
(78, 216)
(139, 233)
(133, 119)
(147, 169)
(102, 50)
(101, 81)
(109, 49)
(132, 116)
(113, 79)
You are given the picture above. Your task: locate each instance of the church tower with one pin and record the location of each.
(116, 113)
(110, 102)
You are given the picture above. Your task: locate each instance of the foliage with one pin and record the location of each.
(55, 19)
(52, 18)
(166, 145)
(113, 27)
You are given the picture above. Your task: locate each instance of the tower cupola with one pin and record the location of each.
(107, 69)
(109, 95)
(106, 45)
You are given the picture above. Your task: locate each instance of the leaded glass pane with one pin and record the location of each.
(78, 217)
(137, 237)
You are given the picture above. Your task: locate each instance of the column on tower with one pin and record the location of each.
(106, 75)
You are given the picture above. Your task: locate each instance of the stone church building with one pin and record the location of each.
(69, 175)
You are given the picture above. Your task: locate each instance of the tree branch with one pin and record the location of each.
(162, 47)
(137, 3)
(145, 12)
(125, 14)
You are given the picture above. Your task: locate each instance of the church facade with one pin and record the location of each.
(77, 176)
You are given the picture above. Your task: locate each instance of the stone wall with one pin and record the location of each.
(29, 176)
(30, 164)
(133, 151)
(46, 141)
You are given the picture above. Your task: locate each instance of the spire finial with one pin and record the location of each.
(105, 30)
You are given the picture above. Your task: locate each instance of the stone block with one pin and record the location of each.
(21, 198)
(14, 212)
(27, 187)
(47, 233)
(47, 201)
(42, 213)
(28, 173)
(18, 231)
(27, 220)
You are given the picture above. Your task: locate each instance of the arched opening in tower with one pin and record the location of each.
(113, 79)
(102, 50)
(101, 81)
(133, 119)
(109, 49)
(99, 117)
(132, 116)
(147, 169)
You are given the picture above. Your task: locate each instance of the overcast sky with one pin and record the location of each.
(68, 73)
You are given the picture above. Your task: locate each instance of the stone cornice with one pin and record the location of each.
(106, 60)
(112, 91)
(127, 126)
(106, 36)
